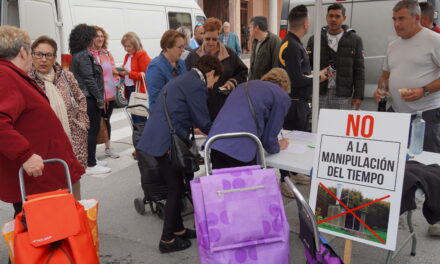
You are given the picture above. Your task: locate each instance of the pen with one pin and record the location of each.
(281, 133)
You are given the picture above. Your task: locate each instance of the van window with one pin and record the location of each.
(179, 19)
(9, 13)
(200, 19)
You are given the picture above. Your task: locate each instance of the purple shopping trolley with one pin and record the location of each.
(316, 248)
(239, 213)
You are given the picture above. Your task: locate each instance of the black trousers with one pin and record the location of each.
(221, 160)
(94, 114)
(17, 208)
(297, 119)
(106, 114)
(173, 221)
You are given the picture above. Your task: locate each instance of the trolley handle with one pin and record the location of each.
(210, 141)
(134, 106)
(66, 169)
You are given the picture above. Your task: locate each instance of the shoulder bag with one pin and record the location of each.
(137, 98)
(181, 156)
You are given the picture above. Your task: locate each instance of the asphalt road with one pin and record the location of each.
(129, 238)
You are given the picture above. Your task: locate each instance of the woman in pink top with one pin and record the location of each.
(105, 59)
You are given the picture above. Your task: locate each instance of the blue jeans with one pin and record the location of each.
(136, 119)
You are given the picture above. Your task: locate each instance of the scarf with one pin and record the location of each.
(56, 100)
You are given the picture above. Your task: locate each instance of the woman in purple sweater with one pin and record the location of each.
(271, 101)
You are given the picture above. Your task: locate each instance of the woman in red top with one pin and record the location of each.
(135, 64)
(30, 131)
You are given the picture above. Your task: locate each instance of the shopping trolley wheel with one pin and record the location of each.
(139, 205)
(160, 210)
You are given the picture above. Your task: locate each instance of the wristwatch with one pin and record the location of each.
(425, 91)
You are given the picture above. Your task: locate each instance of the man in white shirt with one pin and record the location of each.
(411, 73)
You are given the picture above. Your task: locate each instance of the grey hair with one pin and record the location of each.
(412, 6)
(187, 32)
(11, 41)
(226, 23)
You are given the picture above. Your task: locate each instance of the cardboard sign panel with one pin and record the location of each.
(358, 174)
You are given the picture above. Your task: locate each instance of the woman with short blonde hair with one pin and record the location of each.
(279, 76)
(134, 40)
(135, 64)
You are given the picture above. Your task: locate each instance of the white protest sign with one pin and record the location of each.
(358, 175)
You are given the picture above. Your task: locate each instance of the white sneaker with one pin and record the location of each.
(434, 230)
(102, 163)
(97, 169)
(111, 153)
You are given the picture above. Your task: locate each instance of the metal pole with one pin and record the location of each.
(273, 16)
(316, 63)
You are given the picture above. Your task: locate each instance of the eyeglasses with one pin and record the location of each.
(209, 39)
(40, 55)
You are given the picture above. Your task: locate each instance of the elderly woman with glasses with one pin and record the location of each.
(235, 71)
(30, 131)
(165, 66)
(65, 96)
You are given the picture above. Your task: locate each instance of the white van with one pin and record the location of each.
(372, 21)
(56, 18)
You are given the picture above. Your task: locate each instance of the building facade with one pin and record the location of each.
(239, 12)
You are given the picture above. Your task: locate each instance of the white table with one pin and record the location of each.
(294, 162)
(303, 163)
(427, 158)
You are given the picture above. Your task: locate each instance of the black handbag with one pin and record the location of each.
(181, 156)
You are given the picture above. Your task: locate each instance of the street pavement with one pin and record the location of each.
(129, 238)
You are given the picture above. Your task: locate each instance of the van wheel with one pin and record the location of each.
(121, 101)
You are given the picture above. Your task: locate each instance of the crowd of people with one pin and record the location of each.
(201, 83)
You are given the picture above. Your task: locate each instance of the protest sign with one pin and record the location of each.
(358, 175)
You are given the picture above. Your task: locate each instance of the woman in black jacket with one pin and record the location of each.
(88, 73)
(235, 71)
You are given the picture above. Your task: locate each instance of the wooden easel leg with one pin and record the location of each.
(347, 251)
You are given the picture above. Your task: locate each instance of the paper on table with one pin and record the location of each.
(301, 135)
(296, 148)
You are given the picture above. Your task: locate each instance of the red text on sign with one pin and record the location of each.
(356, 124)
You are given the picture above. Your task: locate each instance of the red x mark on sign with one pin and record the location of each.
(351, 211)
